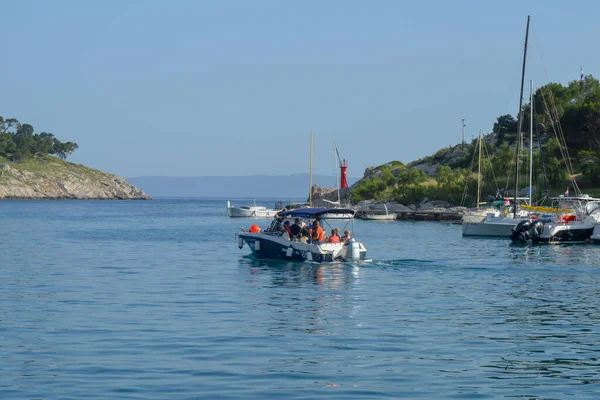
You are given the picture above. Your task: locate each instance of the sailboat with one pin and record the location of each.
(373, 215)
(479, 214)
(496, 225)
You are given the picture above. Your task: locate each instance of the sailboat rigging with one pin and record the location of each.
(494, 224)
(310, 172)
(479, 173)
(520, 124)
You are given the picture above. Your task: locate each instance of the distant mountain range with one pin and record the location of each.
(255, 186)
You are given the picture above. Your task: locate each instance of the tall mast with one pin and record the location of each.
(520, 124)
(479, 172)
(310, 171)
(530, 142)
(335, 165)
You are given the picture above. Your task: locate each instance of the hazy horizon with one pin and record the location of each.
(295, 186)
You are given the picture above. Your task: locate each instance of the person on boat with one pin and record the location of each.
(276, 224)
(287, 229)
(334, 238)
(317, 233)
(346, 238)
(296, 229)
(304, 236)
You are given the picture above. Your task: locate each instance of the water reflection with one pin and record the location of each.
(333, 276)
(304, 297)
(561, 254)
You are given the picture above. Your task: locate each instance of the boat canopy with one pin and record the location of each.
(314, 212)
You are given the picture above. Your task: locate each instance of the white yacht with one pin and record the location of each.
(575, 220)
(252, 211)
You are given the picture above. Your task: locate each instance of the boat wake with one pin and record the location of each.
(406, 262)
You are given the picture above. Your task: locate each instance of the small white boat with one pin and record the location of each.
(379, 216)
(251, 211)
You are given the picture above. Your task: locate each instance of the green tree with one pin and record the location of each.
(503, 125)
(63, 150)
(590, 166)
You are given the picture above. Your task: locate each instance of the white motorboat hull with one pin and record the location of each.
(274, 246)
(567, 233)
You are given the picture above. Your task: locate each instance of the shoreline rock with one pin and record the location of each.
(49, 178)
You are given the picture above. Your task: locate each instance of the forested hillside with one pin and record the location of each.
(566, 153)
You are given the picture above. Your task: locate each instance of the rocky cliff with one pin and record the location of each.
(325, 197)
(50, 178)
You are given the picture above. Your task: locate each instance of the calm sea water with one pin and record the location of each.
(153, 300)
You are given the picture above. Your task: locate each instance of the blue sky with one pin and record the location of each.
(205, 88)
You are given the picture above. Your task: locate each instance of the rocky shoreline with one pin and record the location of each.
(49, 178)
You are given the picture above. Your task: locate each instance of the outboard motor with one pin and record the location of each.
(354, 249)
(527, 230)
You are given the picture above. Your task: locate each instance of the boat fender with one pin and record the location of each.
(289, 251)
(309, 256)
(254, 228)
(257, 245)
(354, 250)
(240, 242)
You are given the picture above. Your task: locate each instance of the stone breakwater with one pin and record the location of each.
(426, 210)
(56, 179)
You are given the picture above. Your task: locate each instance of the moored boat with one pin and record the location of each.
(574, 221)
(495, 224)
(378, 215)
(252, 211)
(276, 245)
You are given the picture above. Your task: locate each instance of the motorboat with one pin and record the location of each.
(574, 221)
(252, 211)
(273, 244)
